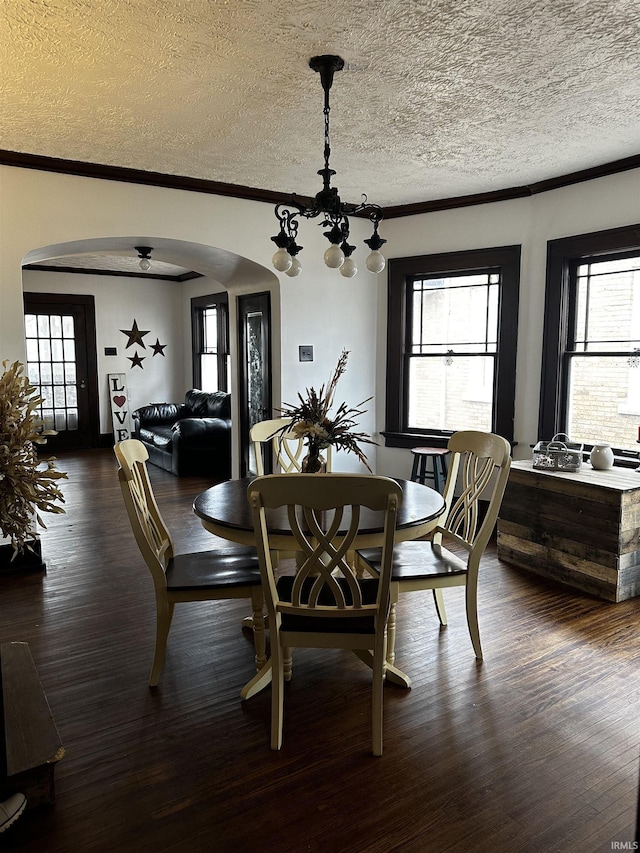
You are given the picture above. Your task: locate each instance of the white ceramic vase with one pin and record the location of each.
(601, 457)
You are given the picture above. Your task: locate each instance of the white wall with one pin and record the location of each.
(319, 307)
(596, 205)
(155, 305)
(41, 209)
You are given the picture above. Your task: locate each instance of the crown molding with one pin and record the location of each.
(182, 182)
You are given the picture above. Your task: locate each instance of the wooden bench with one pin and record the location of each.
(581, 528)
(31, 740)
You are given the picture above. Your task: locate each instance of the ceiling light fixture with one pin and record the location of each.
(144, 253)
(328, 204)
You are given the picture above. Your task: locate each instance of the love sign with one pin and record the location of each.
(120, 415)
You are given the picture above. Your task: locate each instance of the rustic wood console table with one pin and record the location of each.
(582, 528)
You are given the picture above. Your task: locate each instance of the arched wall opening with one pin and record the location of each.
(161, 307)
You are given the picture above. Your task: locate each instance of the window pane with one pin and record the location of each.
(56, 327)
(58, 397)
(210, 330)
(67, 327)
(209, 372)
(31, 325)
(32, 350)
(608, 308)
(56, 349)
(69, 350)
(451, 393)
(45, 350)
(454, 312)
(604, 401)
(43, 326)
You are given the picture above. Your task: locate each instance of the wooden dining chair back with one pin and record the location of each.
(325, 604)
(231, 572)
(478, 473)
(288, 449)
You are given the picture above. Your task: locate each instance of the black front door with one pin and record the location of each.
(62, 365)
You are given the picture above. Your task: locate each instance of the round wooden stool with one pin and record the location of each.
(438, 471)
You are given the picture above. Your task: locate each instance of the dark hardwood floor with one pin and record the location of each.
(534, 750)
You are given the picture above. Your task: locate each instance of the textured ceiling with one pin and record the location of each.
(439, 98)
(121, 261)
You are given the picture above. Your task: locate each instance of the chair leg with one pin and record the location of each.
(377, 699)
(438, 598)
(164, 615)
(259, 636)
(472, 618)
(287, 662)
(277, 694)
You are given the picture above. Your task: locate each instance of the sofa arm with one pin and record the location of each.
(200, 431)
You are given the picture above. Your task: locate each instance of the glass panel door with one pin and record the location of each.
(254, 319)
(52, 368)
(61, 364)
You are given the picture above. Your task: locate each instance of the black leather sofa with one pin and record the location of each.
(190, 438)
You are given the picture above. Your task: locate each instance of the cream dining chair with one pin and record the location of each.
(229, 573)
(324, 605)
(479, 464)
(288, 449)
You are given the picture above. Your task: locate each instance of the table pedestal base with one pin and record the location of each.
(262, 678)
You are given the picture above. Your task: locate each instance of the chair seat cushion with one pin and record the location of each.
(337, 625)
(231, 567)
(417, 559)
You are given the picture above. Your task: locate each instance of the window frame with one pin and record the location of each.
(198, 305)
(564, 255)
(402, 271)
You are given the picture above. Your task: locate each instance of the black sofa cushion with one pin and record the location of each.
(202, 404)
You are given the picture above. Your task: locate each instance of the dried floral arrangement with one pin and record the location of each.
(312, 420)
(27, 484)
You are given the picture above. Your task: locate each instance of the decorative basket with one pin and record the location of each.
(559, 454)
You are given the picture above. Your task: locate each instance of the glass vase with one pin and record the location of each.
(314, 462)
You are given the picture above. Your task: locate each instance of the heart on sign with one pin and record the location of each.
(120, 401)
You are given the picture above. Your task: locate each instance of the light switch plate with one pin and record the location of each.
(305, 353)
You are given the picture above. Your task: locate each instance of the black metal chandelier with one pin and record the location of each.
(327, 204)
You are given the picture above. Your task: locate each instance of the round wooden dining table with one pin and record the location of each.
(224, 510)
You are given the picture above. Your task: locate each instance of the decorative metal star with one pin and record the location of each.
(136, 361)
(135, 335)
(158, 347)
